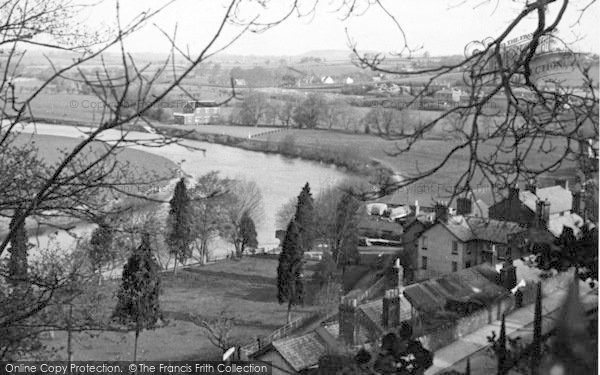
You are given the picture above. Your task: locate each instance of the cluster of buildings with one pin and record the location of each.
(198, 112)
(460, 274)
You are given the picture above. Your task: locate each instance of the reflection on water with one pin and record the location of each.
(279, 178)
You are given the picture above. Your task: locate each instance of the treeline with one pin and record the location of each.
(316, 111)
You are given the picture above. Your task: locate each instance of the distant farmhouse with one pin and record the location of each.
(200, 112)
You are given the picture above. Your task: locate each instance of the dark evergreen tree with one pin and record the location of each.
(536, 344)
(247, 234)
(345, 250)
(572, 347)
(17, 263)
(305, 219)
(138, 305)
(179, 224)
(290, 284)
(501, 349)
(100, 251)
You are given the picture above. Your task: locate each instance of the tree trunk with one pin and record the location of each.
(135, 345)
(289, 312)
(69, 336)
(175, 265)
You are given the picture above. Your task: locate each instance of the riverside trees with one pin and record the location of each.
(86, 178)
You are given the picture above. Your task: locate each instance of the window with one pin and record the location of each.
(454, 266)
(469, 248)
(423, 263)
(454, 247)
(468, 264)
(424, 243)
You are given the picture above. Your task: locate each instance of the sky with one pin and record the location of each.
(439, 27)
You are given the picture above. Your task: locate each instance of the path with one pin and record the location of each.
(516, 323)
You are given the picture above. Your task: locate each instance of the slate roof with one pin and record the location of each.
(477, 228)
(374, 311)
(475, 284)
(560, 199)
(301, 352)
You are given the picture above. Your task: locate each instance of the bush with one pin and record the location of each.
(287, 145)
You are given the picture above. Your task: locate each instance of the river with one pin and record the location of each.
(278, 178)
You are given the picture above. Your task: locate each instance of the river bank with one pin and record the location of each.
(346, 158)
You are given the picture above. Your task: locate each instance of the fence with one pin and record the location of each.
(452, 331)
(370, 292)
(281, 332)
(279, 130)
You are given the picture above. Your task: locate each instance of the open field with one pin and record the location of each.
(244, 289)
(51, 148)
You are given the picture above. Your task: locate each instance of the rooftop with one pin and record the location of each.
(476, 284)
(478, 228)
(560, 199)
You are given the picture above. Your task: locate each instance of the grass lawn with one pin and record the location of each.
(244, 289)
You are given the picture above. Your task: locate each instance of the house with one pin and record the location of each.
(455, 243)
(292, 355)
(477, 291)
(198, 112)
(349, 80)
(413, 228)
(550, 207)
(240, 82)
(327, 80)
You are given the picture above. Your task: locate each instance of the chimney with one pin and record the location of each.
(417, 208)
(531, 186)
(542, 213)
(513, 193)
(348, 321)
(441, 212)
(577, 203)
(390, 315)
(463, 206)
(508, 275)
(546, 212)
(399, 274)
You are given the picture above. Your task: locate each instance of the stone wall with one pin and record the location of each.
(466, 325)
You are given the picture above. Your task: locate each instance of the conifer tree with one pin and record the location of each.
(345, 249)
(305, 219)
(17, 263)
(501, 349)
(290, 285)
(179, 224)
(138, 305)
(247, 234)
(536, 344)
(100, 251)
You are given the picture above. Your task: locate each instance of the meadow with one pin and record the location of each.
(242, 289)
(358, 151)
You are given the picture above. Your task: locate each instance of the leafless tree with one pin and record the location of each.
(88, 180)
(530, 118)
